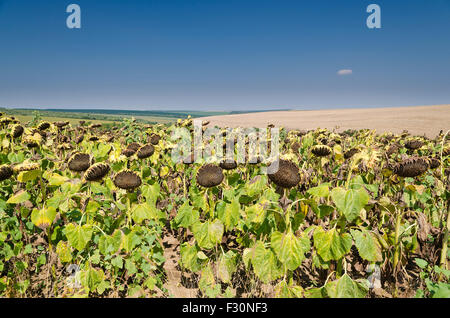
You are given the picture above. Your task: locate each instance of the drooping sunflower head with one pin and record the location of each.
(127, 179)
(228, 164)
(295, 147)
(128, 152)
(32, 141)
(413, 144)
(5, 172)
(145, 151)
(434, 162)
(209, 176)
(392, 149)
(79, 139)
(321, 150)
(79, 162)
(154, 139)
(26, 166)
(134, 145)
(96, 172)
(43, 125)
(446, 152)
(350, 153)
(17, 131)
(93, 126)
(61, 124)
(411, 167)
(5, 121)
(287, 176)
(64, 146)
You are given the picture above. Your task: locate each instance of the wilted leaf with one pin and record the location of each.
(350, 202)
(44, 217)
(290, 249)
(63, 251)
(20, 197)
(265, 263)
(345, 287)
(78, 236)
(189, 257)
(331, 245)
(186, 215)
(320, 191)
(208, 234)
(230, 214)
(227, 266)
(26, 176)
(367, 245)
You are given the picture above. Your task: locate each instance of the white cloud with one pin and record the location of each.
(345, 72)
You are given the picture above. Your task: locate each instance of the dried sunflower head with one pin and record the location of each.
(413, 144)
(154, 139)
(392, 149)
(79, 139)
(79, 162)
(32, 140)
(411, 167)
(5, 121)
(61, 124)
(65, 146)
(350, 153)
(228, 164)
(26, 166)
(296, 146)
(127, 179)
(145, 151)
(134, 145)
(96, 172)
(17, 131)
(209, 176)
(446, 152)
(43, 125)
(434, 162)
(321, 150)
(128, 152)
(287, 176)
(5, 172)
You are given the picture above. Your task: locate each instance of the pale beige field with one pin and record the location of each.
(418, 120)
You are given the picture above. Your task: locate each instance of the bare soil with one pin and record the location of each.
(417, 120)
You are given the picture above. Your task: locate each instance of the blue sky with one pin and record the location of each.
(224, 55)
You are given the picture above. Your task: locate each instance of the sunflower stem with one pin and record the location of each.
(443, 260)
(128, 210)
(398, 219)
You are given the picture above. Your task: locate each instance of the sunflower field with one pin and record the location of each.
(92, 212)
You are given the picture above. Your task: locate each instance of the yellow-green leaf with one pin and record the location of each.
(19, 197)
(44, 217)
